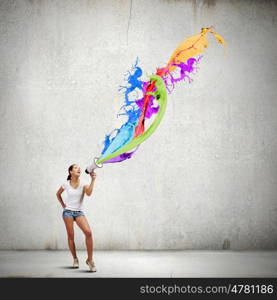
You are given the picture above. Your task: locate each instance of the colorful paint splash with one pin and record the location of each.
(122, 143)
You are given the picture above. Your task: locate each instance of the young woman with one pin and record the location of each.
(73, 211)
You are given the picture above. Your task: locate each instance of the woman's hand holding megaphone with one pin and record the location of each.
(92, 175)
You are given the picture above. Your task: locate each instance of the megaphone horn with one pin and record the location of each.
(93, 166)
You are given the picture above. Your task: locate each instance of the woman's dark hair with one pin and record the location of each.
(70, 169)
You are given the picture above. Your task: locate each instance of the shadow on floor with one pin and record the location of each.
(86, 271)
(67, 267)
(72, 268)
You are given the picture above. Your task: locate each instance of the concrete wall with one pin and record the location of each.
(206, 179)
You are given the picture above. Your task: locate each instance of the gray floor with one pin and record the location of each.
(140, 264)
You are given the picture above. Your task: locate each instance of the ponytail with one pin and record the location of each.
(70, 169)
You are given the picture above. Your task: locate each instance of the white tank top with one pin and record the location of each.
(75, 197)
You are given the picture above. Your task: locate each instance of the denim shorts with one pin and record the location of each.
(67, 213)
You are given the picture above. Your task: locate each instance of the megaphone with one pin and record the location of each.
(93, 166)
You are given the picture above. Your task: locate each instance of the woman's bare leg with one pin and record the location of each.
(84, 225)
(70, 235)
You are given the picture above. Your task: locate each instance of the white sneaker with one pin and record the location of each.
(91, 265)
(76, 263)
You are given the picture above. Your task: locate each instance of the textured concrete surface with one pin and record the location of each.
(141, 264)
(207, 177)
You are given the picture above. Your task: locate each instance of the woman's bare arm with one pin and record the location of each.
(89, 187)
(58, 194)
